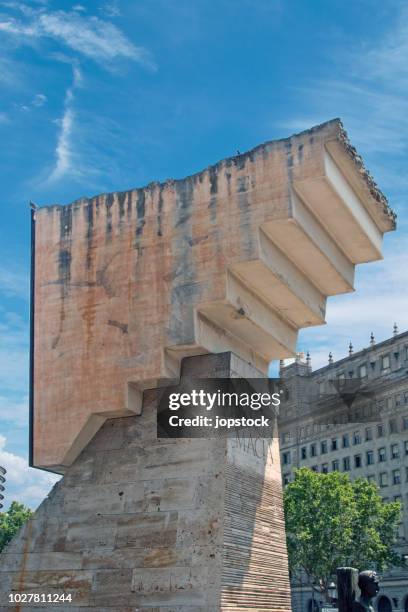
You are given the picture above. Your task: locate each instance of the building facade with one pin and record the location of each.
(352, 416)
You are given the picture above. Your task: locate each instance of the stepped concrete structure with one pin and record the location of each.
(213, 274)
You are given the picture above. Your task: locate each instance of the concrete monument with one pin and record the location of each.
(210, 276)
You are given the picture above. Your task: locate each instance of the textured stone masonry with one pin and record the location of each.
(139, 523)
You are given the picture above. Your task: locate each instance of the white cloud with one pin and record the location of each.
(14, 411)
(3, 118)
(63, 151)
(24, 484)
(14, 282)
(110, 9)
(90, 36)
(39, 100)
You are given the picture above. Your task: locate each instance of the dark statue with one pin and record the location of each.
(368, 582)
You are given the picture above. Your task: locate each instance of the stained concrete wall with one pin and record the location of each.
(237, 257)
(139, 523)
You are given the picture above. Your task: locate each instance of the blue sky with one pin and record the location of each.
(100, 96)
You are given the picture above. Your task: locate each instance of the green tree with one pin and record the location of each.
(11, 521)
(332, 522)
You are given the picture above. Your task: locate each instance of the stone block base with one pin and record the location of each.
(140, 523)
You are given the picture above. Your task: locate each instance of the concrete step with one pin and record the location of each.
(311, 248)
(279, 283)
(335, 203)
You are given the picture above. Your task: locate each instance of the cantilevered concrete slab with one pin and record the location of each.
(236, 258)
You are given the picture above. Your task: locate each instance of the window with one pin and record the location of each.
(382, 454)
(356, 438)
(405, 397)
(286, 458)
(398, 399)
(346, 441)
(370, 457)
(325, 468)
(396, 476)
(321, 387)
(323, 447)
(357, 461)
(392, 423)
(398, 498)
(313, 451)
(383, 479)
(286, 437)
(406, 447)
(405, 422)
(371, 478)
(335, 465)
(368, 433)
(286, 479)
(385, 362)
(380, 430)
(315, 468)
(303, 454)
(394, 451)
(341, 379)
(346, 464)
(362, 371)
(334, 444)
(406, 474)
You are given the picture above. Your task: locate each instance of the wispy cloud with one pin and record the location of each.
(110, 9)
(39, 100)
(23, 484)
(14, 282)
(90, 36)
(369, 92)
(80, 36)
(14, 411)
(63, 150)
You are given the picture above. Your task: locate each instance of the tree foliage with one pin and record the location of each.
(332, 522)
(11, 521)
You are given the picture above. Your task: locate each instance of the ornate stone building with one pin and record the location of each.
(368, 437)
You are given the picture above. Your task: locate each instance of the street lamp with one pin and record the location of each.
(332, 591)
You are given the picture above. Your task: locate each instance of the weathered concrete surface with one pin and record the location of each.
(144, 524)
(237, 257)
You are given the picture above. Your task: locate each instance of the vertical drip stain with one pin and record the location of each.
(65, 222)
(159, 212)
(64, 264)
(121, 202)
(245, 214)
(185, 288)
(89, 217)
(129, 205)
(213, 175)
(140, 212)
(64, 255)
(108, 204)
